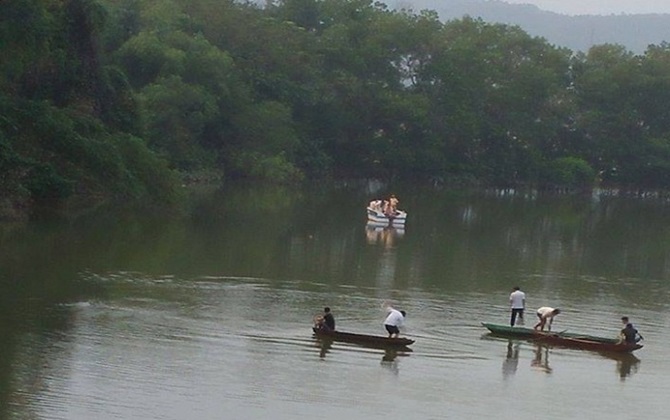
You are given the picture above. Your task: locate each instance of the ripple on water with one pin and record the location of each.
(244, 347)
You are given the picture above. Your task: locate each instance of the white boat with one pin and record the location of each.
(398, 218)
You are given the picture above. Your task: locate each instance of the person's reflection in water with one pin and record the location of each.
(386, 235)
(511, 362)
(541, 360)
(389, 360)
(372, 234)
(325, 347)
(626, 365)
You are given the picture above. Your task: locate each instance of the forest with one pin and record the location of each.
(131, 99)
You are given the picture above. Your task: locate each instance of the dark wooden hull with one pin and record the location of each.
(587, 344)
(563, 339)
(363, 339)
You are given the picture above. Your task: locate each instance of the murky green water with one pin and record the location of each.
(207, 315)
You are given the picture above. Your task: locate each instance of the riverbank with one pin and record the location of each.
(19, 208)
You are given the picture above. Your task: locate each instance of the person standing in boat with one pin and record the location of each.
(328, 319)
(393, 204)
(629, 334)
(517, 301)
(386, 207)
(394, 320)
(545, 314)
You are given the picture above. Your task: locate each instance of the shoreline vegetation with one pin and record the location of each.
(138, 101)
(14, 210)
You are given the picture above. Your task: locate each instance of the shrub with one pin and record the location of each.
(568, 172)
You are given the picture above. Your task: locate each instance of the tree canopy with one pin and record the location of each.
(115, 97)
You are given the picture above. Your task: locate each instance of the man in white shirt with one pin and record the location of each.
(546, 313)
(517, 301)
(393, 320)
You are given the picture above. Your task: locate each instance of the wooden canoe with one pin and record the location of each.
(564, 339)
(363, 339)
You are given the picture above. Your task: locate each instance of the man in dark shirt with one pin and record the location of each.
(629, 334)
(328, 319)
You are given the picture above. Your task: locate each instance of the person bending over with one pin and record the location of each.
(393, 321)
(545, 314)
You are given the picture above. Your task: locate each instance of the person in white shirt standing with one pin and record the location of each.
(517, 302)
(546, 313)
(393, 320)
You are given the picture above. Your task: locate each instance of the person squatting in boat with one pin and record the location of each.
(629, 333)
(393, 321)
(326, 321)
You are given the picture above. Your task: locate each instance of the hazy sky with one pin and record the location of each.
(599, 7)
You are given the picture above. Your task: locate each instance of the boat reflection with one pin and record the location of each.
(511, 362)
(389, 360)
(325, 344)
(626, 363)
(390, 355)
(386, 235)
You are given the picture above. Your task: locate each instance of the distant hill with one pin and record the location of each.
(578, 33)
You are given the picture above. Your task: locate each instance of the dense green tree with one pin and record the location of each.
(494, 91)
(61, 108)
(108, 97)
(177, 114)
(612, 130)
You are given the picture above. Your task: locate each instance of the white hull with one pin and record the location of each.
(379, 228)
(377, 217)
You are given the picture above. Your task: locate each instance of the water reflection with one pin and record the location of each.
(626, 364)
(7, 352)
(511, 362)
(324, 346)
(390, 355)
(240, 256)
(540, 361)
(376, 233)
(389, 361)
(389, 358)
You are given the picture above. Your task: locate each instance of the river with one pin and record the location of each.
(206, 314)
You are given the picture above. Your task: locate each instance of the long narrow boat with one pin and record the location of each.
(363, 339)
(564, 339)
